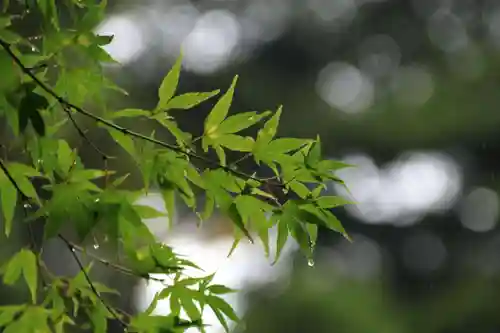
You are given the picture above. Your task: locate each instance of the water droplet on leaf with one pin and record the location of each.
(96, 246)
(310, 262)
(27, 205)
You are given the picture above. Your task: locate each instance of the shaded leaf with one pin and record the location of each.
(8, 195)
(235, 216)
(220, 289)
(30, 272)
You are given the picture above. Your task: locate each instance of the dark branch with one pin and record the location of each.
(91, 284)
(110, 124)
(82, 134)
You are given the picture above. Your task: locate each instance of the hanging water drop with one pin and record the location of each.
(310, 262)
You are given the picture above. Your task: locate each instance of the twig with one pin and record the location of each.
(82, 134)
(71, 247)
(91, 284)
(105, 262)
(241, 159)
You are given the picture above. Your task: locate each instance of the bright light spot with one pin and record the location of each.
(447, 31)
(212, 42)
(400, 193)
(412, 86)
(361, 259)
(176, 24)
(479, 211)
(424, 252)
(430, 180)
(345, 87)
(158, 226)
(379, 55)
(128, 42)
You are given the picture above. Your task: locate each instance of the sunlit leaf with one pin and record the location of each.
(169, 84)
(240, 122)
(285, 145)
(189, 100)
(268, 132)
(129, 113)
(236, 142)
(125, 141)
(332, 202)
(220, 110)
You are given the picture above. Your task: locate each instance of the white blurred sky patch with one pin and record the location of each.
(211, 38)
(400, 193)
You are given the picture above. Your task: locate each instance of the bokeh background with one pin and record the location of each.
(407, 90)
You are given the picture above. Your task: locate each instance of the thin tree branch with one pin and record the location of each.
(91, 284)
(108, 263)
(110, 124)
(11, 179)
(73, 248)
(24, 198)
(82, 134)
